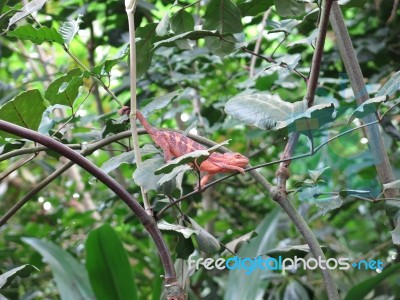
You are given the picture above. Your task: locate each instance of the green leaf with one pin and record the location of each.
(144, 48)
(295, 290)
(206, 242)
(22, 271)
(185, 231)
(37, 36)
(191, 35)
(29, 8)
(175, 172)
(70, 276)
(199, 155)
(315, 174)
(361, 290)
(329, 203)
(235, 244)
(253, 286)
(163, 27)
(391, 185)
(289, 251)
(396, 233)
(221, 46)
(270, 112)
(107, 263)
(65, 89)
(105, 67)
(289, 8)
(354, 193)
(254, 7)
(184, 248)
(24, 110)
(368, 107)
(144, 173)
(391, 86)
(182, 22)
(223, 16)
(160, 102)
(115, 161)
(69, 29)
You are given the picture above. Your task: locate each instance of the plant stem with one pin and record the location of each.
(148, 222)
(130, 10)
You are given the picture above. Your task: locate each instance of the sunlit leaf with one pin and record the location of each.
(160, 102)
(163, 27)
(69, 29)
(37, 36)
(190, 157)
(270, 112)
(29, 8)
(185, 231)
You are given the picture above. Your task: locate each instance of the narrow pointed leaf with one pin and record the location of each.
(70, 276)
(22, 271)
(29, 8)
(108, 266)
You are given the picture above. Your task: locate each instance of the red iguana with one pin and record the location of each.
(175, 144)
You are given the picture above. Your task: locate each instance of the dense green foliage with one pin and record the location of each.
(225, 70)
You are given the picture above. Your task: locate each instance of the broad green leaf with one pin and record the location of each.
(199, 155)
(185, 231)
(22, 271)
(175, 172)
(220, 46)
(65, 89)
(160, 102)
(70, 276)
(115, 161)
(391, 86)
(361, 290)
(182, 22)
(329, 203)
(315, 174)
(282, 26)
(105, 67)
(107, 263)
(289, 8)
(309, 193)
(144, 47)
(29, 8)
(37, 36)
(254, 7)
(144, 173)
(69, 29)
(223, 16)
(206, 242)
(24, 110)
(289, 251)
(12, 145)
(253, 286)
(368, 107)
(270, 112)
(235, 244)
(163, 27)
